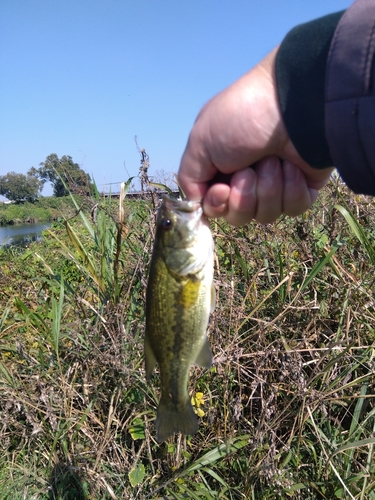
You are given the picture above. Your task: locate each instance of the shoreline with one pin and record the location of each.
(31, 221)
(47, 209)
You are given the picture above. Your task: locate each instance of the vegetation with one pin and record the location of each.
(286, 411)
(20, 187)
(63, 174)
(44, 209)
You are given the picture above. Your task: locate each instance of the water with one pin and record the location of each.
(22, 234)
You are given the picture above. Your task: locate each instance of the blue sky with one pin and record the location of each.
(83, 77)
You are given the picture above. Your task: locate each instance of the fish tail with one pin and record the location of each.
(171, 419)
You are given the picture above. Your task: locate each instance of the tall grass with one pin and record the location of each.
(286, 411)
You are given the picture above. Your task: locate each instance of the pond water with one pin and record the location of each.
(22, 234)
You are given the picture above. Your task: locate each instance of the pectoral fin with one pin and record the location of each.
(204, 358)
(150, 360)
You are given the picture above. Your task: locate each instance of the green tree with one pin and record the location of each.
(20, 187)
(60, 171)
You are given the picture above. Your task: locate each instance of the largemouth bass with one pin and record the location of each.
(180, 297)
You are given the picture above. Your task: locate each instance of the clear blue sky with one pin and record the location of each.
(83, 77)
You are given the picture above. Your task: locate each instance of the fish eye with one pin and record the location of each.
(166, 224)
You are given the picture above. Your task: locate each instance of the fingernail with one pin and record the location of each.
(244, 184)
(212, 210)
(244, 189)
(215, 202)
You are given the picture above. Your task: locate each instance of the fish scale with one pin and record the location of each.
(180, 297)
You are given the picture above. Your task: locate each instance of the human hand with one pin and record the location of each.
(242, 127)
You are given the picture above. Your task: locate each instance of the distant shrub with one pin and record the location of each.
(43, 209)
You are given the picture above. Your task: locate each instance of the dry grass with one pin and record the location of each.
(288, 403)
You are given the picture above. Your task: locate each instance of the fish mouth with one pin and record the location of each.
(185, 206)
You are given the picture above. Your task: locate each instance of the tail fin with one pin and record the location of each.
(171, 419)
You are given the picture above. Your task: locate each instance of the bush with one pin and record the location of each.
(43, 209)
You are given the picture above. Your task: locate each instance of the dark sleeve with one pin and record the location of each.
(326, 86)
(300, 73)
(350, 97)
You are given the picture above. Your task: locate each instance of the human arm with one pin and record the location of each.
(245, 125)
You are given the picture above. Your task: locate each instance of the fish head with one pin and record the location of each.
(183, 235)
(178, 222)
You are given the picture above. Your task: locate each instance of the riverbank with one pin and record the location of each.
(45, 209)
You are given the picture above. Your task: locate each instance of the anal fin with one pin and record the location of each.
(204, 358)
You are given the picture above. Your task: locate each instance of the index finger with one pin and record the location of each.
(196, 170)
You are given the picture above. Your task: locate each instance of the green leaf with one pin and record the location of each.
(171, 448)
(295, 487)
(36, 319)
(6, 374)
(137, 429)
(355, 423)
(320, 264)
(125, 186)
(357, 231)
(354, 444)
(84, 254)
(136, 475)
(216, 476)
(216, 454)
(163, 187)
(241, 261)
(4, 318)
(57, 308)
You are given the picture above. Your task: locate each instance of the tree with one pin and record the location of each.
(20, 187)
(62, 170)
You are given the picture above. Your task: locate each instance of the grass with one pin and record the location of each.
(287, 409)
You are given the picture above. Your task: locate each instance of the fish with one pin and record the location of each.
(180, 297)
